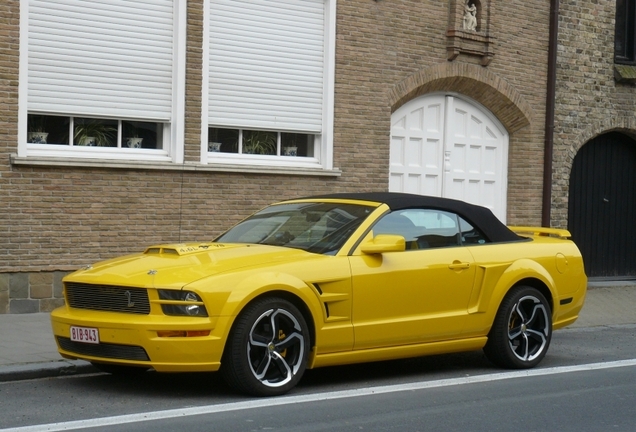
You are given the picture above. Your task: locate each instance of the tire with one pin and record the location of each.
(120, 370)
(522, 330)
(267, 349)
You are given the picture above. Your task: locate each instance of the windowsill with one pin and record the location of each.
(625, 73)
(169, 166)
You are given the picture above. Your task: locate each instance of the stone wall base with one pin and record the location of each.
(31, 292)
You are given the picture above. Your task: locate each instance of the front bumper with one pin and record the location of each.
(133, 340)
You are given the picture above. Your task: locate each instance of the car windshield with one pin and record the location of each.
(315, 227)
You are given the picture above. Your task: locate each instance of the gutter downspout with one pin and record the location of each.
(548, 150)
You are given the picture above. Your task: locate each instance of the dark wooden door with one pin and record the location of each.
(602, 205)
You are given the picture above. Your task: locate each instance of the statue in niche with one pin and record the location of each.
(470, 16)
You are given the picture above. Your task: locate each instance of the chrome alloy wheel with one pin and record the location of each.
(276, 347)
(528, 328)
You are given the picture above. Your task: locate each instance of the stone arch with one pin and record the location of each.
(564, 160)
(626, 125)
(601, 213)
(485, 87)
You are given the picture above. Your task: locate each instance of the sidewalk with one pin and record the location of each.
(27, 348)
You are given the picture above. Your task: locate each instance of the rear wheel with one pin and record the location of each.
(521, 333)
(267, 350)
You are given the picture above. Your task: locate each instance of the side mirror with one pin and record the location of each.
(384, 243)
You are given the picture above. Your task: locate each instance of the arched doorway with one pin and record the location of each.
(602, 205)
(449, 146)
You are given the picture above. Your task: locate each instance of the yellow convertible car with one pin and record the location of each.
(328, 280)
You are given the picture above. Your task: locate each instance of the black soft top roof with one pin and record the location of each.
(479, 217)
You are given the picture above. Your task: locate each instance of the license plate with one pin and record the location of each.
(85, 334)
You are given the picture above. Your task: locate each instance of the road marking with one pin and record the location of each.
(286, 400)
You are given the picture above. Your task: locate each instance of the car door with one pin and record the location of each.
(417, 295)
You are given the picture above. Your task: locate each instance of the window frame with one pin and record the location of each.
(323, 142)
(173, 131)
(625, 15)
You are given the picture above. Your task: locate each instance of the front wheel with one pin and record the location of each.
(267, 350)
(521, 333)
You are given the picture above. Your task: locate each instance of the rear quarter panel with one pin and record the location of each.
(552, 265)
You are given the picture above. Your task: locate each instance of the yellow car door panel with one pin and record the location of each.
(410, 297)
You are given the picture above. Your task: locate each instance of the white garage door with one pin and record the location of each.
(443, 145)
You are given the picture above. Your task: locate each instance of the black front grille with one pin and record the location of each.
(107, 298)
(105, 350)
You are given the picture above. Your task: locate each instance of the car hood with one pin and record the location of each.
(176, 265)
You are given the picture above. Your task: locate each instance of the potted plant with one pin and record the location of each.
(259, 142)
(223, 140)
(214, 147)
(91, 132)
(37, 133)
(133, 140)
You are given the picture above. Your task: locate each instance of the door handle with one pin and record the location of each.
(458, 265)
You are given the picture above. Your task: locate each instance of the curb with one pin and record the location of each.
(45, 370)
(611, 284)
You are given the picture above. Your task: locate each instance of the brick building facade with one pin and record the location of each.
(594, 163)
(58, 215)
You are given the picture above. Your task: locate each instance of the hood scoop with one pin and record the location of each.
(183, 249)
(159, 250)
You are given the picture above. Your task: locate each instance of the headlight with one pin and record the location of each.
(182, 303)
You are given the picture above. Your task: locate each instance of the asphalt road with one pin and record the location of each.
(582, 401)
(586, 382)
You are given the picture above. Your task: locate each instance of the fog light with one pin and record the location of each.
(171, 333)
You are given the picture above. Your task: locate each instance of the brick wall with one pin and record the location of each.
(588, 100)
(56, 219)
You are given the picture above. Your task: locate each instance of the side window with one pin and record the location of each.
(470, 235)
(421, 228)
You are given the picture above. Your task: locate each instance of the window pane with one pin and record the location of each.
(314, 227)
(138, 134)
(46, 129)
(624, 32)
(421, 228)
(223, 140)
(470, 235)
(296, 144)
(259, 142)
(95, 132)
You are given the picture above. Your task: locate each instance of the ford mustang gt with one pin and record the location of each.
(327, 280)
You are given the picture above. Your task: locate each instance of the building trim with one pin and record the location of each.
(169, 166)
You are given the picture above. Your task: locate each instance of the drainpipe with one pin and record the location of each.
(549, 114)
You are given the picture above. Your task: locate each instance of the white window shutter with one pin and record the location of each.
(103, 58)
(266, 64)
